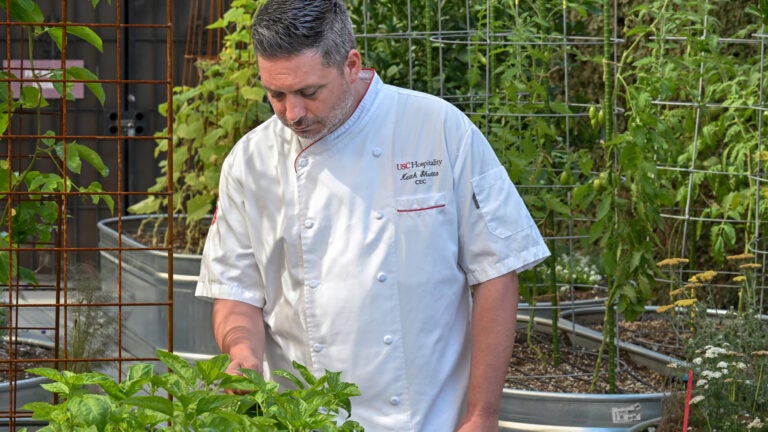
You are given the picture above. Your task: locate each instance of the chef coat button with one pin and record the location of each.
(388, 339)
(378, 215)
(381, 277)
(309, 223)
(313, 284)
(376, 152)
(303, 162)
(394, 400)
(318, 347)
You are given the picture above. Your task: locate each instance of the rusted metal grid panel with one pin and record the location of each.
(66, 128)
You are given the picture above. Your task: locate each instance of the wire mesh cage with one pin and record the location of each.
(93, 123)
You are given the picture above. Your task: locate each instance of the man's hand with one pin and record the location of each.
(243, 358)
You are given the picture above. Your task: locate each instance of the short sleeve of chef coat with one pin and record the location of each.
(228, 269)
(497, 234)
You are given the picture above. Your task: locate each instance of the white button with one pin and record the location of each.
(388, 339)
(376, 152)
(313, 284)
(394, 400)
(381, 277)
(309, 223)
(378, 215)
(303, 162)
(317, 347)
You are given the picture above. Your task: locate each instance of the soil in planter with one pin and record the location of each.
(530, 371)
(30, 356)
(655, 334)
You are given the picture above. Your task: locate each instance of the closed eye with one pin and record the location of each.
(309, 93)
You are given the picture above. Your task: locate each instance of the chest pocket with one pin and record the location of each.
(425, 204)
(499, 202)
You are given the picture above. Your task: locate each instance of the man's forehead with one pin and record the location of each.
(293, 73)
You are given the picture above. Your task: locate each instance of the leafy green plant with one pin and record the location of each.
(32, 188)
(208, 119)
(197, 402)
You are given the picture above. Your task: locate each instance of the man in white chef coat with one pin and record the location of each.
(360, 228)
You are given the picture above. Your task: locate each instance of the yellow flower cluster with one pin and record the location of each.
(671, 262)
(740, 257)
(703, 277)
(679, 303)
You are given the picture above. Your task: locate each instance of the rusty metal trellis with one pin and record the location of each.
(52, 123)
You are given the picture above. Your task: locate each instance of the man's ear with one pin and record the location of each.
(353, 65)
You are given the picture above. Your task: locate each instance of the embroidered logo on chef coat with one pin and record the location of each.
(419, 172)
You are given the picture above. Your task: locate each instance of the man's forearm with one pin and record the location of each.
(239, 331)
(494, 317)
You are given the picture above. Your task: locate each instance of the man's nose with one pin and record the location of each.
(294, 108)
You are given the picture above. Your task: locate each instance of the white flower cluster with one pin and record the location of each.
(723, 375)
(575, 269)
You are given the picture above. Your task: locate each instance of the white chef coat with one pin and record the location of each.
(361, 247)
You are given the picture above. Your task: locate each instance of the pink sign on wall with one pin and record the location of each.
(28, 71)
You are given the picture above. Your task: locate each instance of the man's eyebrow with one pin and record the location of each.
(300, 90)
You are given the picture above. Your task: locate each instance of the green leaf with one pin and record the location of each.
(138, 375)
(5, 271)
(32, 97)
(28, 275)
(91, 409)
(42, 410)
(149, 205)
(79, 73)
(91, 157)
(212, 403)
(5, 118)
(73, 161)
(25, 11)
(179, 366)
(198, 207)
(153, 403)
(605, 206)
(57, 35)
(253, 93)
(50, 373)
(56, 387)
(190, 130)
(556, 205)
(290, 377)
(213, 369)
(87, 35)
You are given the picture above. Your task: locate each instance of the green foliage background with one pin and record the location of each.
(677, 171)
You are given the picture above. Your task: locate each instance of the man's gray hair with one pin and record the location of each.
(284, 28)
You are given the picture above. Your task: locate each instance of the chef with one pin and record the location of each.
(366, 229)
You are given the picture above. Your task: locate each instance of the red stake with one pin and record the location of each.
(689, 387)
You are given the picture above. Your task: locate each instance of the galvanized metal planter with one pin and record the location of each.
(544, 309)
(144, 279)
(523, 410)
(24, 391)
